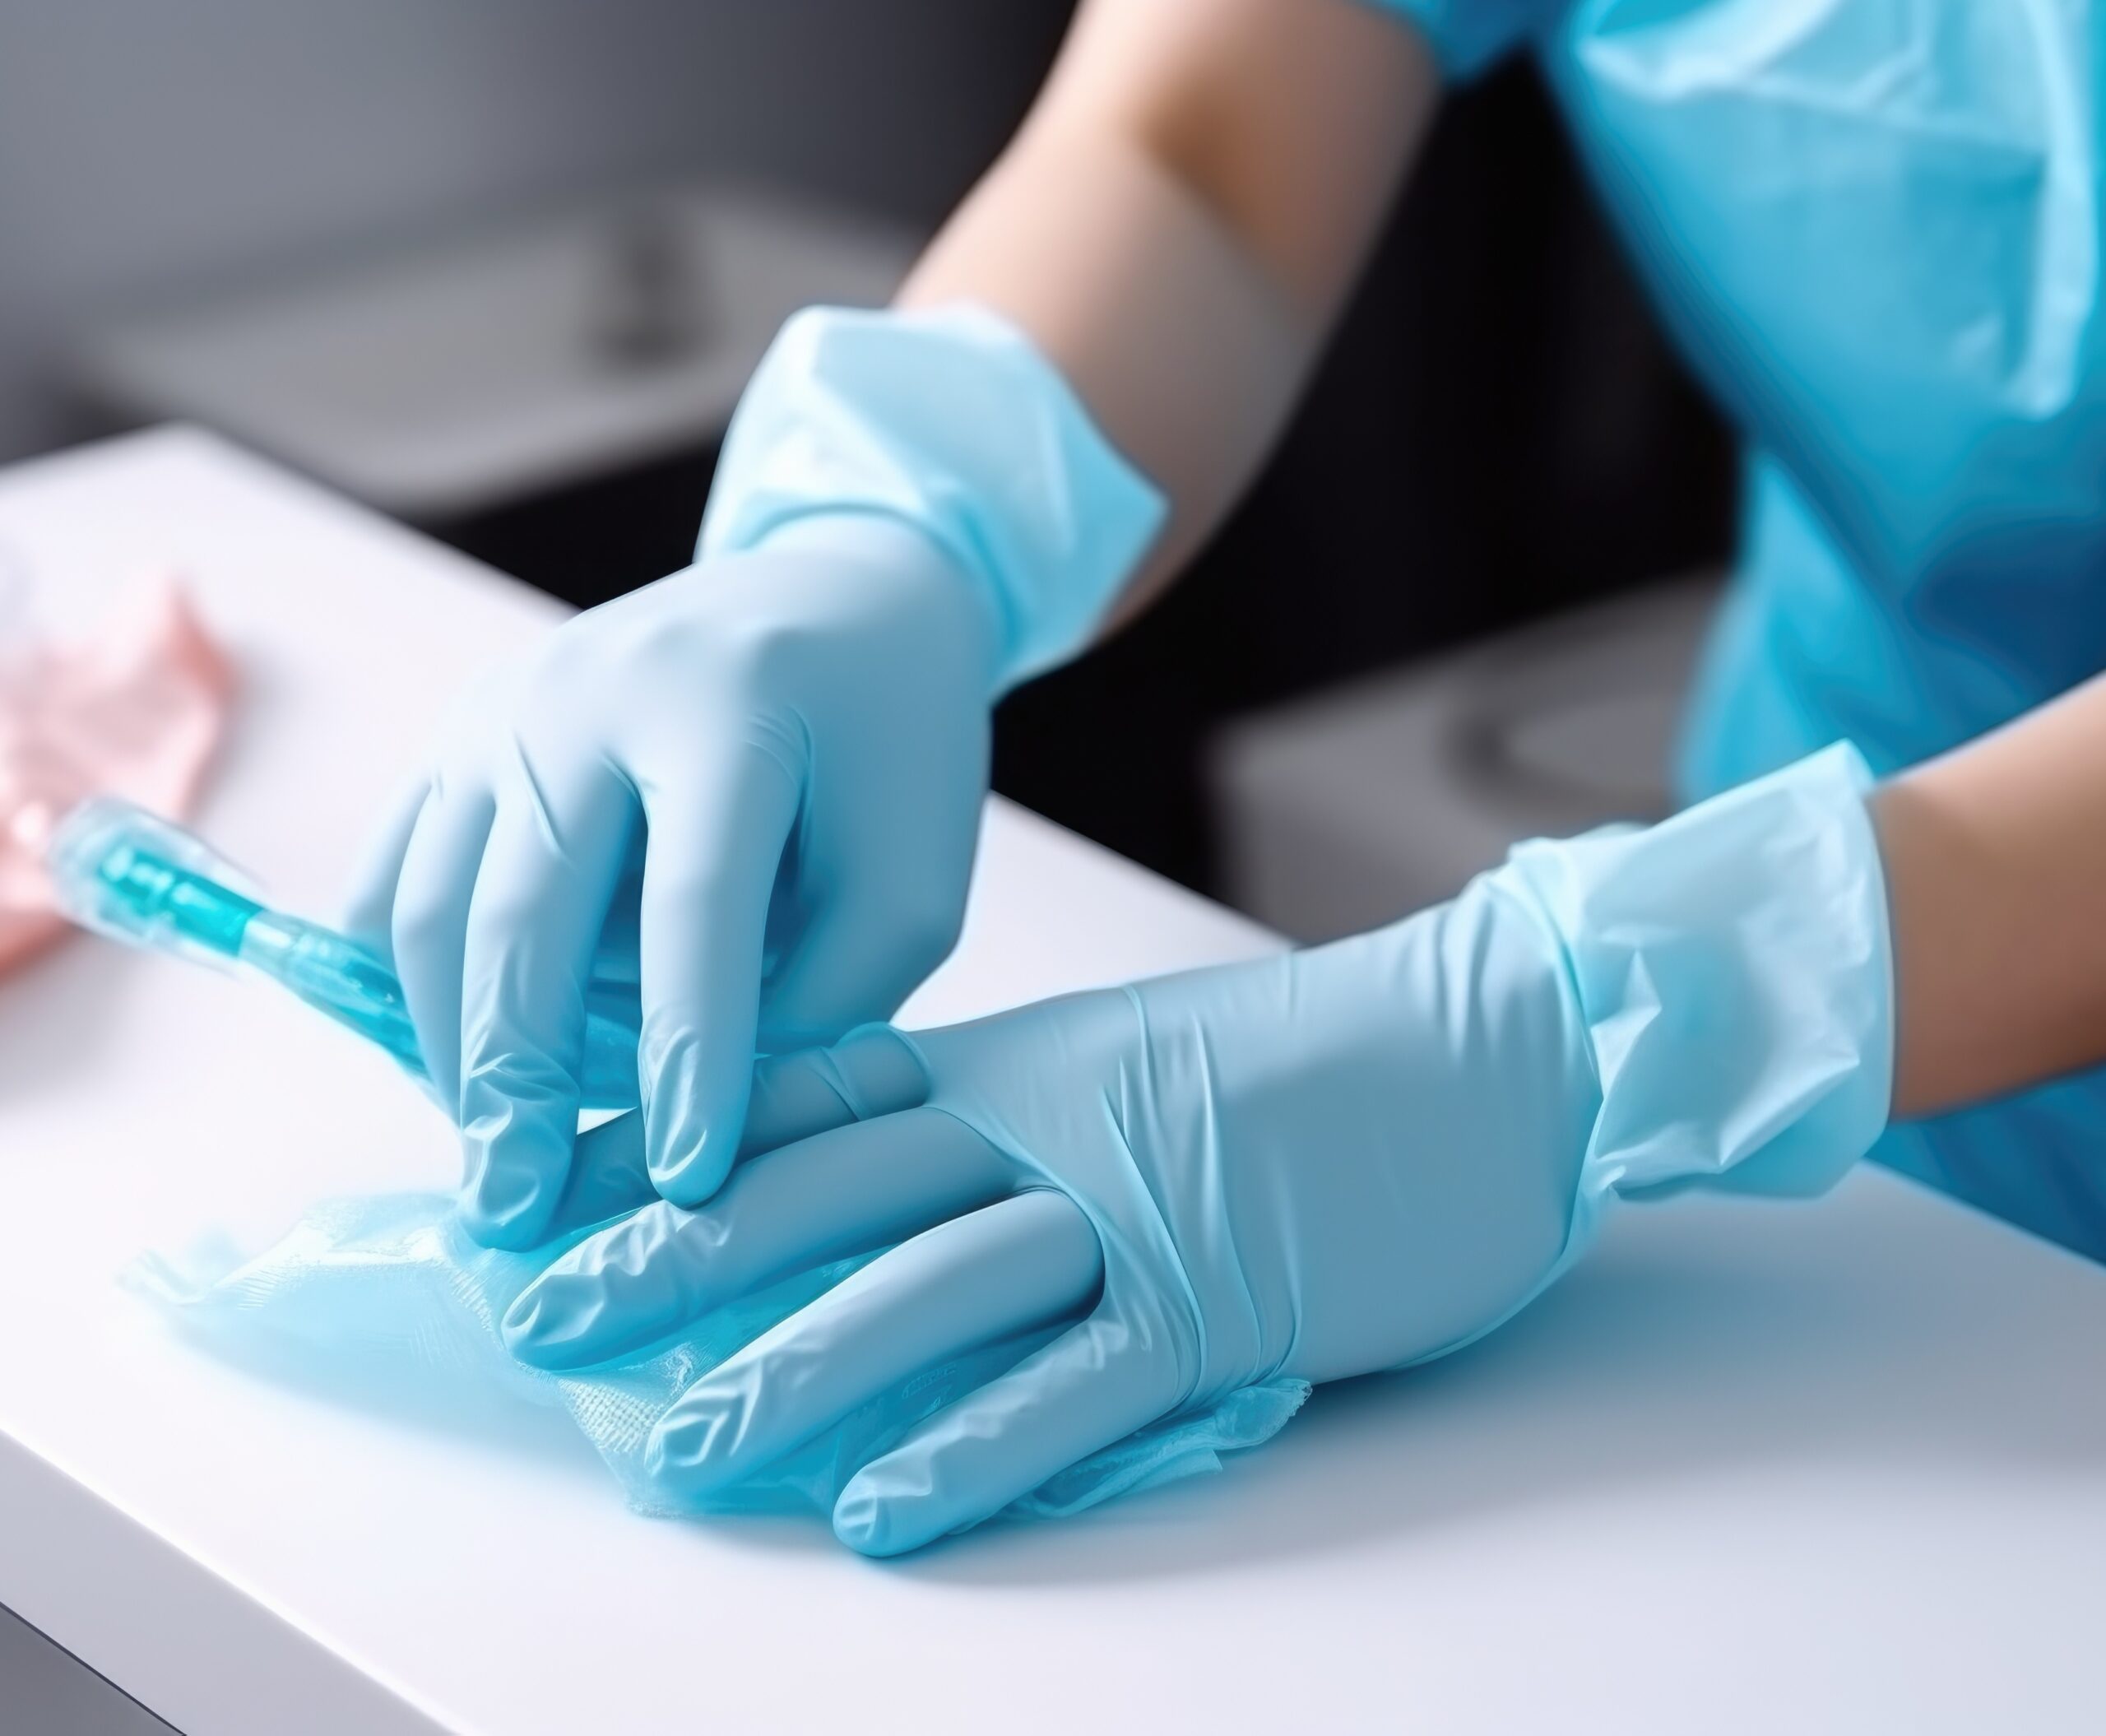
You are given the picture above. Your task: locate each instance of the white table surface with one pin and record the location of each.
(1752, 1467)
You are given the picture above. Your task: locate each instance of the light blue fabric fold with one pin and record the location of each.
(1468, 36)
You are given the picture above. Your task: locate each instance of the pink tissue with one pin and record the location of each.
(135, 713)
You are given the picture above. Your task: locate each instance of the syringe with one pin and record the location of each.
(129, 874)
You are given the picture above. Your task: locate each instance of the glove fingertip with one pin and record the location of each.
(550, 1325)
(693, 1178)
(509, 1194)
(862, 1520)
(512, 1230)
(880, 1522)
(692, 1132)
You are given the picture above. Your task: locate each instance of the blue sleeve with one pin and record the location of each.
(1468, 35)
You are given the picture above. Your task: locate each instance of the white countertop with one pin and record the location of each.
(1752, 1467)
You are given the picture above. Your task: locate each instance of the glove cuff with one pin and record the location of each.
(951, 421)
(1733, 968)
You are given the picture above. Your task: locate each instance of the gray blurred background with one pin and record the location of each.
(497, 267)
(152, 154)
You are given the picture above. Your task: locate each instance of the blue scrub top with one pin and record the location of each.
(1873, 226)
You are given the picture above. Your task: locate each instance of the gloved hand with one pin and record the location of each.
(1310, 1167)
(753, 789)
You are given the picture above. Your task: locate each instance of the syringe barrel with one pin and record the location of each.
(136, 877)
(125, 873)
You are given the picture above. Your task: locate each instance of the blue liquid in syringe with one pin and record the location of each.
(128, 874)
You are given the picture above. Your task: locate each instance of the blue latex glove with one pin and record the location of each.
(752, 789)
(748, 796)
(1338, 1161)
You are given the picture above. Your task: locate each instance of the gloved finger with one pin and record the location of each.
(549, 872)
(870, 1073)
(846, 1192)
(430, 921)
(1022, 1262)
(1091, 1387)
(441, 816)
(878, 930)
(715, 839)
(367, 913)
(607, 1178)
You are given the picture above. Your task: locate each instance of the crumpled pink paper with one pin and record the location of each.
(136, 711)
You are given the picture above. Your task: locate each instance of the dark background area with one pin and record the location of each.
(1498, 431)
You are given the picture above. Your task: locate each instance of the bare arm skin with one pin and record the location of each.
(1996, 868)
(1179, 220)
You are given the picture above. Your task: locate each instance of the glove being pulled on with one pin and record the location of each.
(1198, 1188)
(743, 801)
(750, 791)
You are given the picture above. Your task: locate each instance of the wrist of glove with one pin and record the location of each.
(950, 421)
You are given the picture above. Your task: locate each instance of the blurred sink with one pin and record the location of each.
(1351, 807)
(456, 380)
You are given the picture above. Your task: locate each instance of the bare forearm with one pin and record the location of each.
(1996, 866)
(1188, 358)
(1180, 220)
